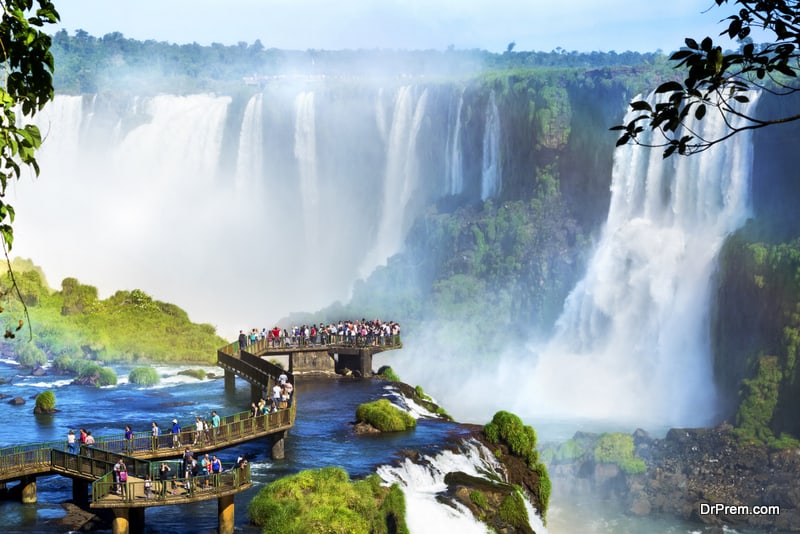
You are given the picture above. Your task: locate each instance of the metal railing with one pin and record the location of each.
(322, 341)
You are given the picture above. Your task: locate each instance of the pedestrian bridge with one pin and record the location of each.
(91, 467)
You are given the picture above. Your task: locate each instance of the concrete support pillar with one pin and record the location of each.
(365, 360)
(291, 363)
(80, 492)
(225, 511)
(28, 489)
(230, 381)
(136, 516)
(277, 441)
(121, 523)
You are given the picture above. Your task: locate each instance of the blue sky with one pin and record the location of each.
(542, 25)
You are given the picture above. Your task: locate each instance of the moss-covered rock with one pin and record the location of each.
(326, 500)
(384, 416)
(144, 376)
(45, 402)
(194, 373)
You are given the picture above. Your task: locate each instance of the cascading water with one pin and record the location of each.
(490, 175)
(250, 159)
(400, 177)
(454, 165)
(632, 343)
(305, 152)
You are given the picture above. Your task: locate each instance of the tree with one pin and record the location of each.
(26, 87)
(721, 82)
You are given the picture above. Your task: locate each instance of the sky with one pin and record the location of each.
(538, 25)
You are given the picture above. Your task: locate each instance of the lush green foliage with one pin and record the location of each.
(144, 376)
(508, 428)
(761, 289)
(512, 510)
(29, 355)
(719, 81)
(387, 373)
(46, 400)
(326, 500)
(74, 323)
(199, 374)
(385, 416)
(617, 448)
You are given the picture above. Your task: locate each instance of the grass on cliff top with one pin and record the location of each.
(326, 500)
(385, 416)
(617, 448)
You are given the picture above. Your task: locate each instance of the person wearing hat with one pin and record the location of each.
(176, 430)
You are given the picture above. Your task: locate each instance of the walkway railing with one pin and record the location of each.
(319, 341)
(42, 457)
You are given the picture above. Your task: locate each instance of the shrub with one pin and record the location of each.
(107, 377)
(29, 355)
(520, 438)
(385, 416)
(325, 500)
(512, 510)
(195, 373)
(144, 376)
(387, 373)
(46, 400)
(617, 448)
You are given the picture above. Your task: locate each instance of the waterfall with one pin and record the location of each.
(454, 165)
(422, 482)
(633, 340)
(400, 177)
(305, 152)
(250, 157)
(490, 172)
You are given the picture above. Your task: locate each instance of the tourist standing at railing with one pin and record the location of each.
(89, 443)
(163, 476)
(242, 340)
(71, 442)
(198, 430)
(155, 435)
(216, 469)
(288, 390)
(277, 390)
(128, 439)
(123, 478)
(148, 487)
(215, 420)
(176, 434)
(83, 436)
(115, 475)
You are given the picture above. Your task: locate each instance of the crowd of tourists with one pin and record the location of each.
(359, 333)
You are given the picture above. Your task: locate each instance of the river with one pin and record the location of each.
(322, 436)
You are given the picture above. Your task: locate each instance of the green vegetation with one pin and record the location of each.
(478, 499)
(144, 376)
(617, 448)
(130, 326)
(29, 355)
(46, 401)
(385, 416)
(512, 510)
(508, 429)
(326, 500)
(195, 373)
(387, 373)
(717, 82)
(757, 366)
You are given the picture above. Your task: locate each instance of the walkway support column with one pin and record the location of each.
(225, 511)
(277, 440)
(230, 381)
(28, 486)
(121, 523)
(80, 492)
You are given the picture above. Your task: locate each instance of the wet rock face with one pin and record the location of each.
(693, 473)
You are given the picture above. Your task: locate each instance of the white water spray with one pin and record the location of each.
(455, 166)
(250, 158)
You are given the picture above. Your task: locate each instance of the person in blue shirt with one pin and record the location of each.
(176, 430)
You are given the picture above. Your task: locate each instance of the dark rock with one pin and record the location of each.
(365, 428)
(39, 371)
(17, 401)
